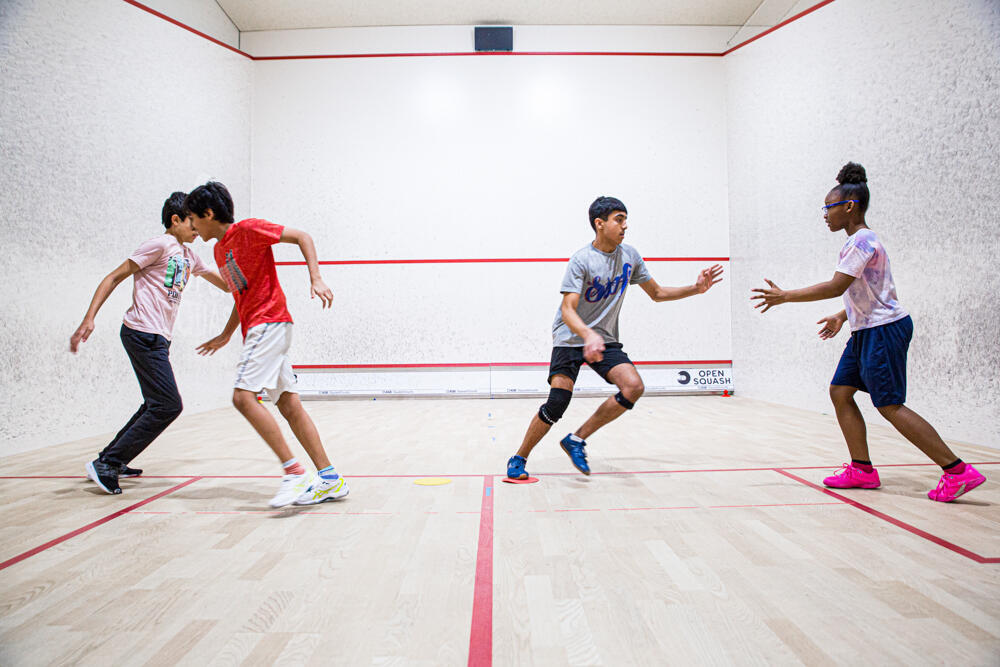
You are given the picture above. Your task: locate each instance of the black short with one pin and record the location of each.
(567, 361)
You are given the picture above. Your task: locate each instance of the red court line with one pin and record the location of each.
(485, 260)
(481, 636)
(682, 54)
(501, 364)
(95, 524)
(896, 522)
(334, 56)
(547, 474)
(776, 27)
(188, 28)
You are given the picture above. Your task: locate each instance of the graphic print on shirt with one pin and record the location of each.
(601, 290)
(178, 272)
(234, 277)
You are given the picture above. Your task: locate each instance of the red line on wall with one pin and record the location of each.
(487, 260)
(330, 56)
(694, 362)
(780, 25)
(188, 28)
(481, 635)
(59, 540)
(659, 54)
(896, 522)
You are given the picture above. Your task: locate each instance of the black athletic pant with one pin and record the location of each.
(149, 354)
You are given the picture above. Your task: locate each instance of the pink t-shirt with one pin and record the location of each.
(871, 299)
(165, 267)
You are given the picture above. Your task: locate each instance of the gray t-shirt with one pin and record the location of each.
(600, 278)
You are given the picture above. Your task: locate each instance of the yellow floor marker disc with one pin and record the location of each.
(432, 481)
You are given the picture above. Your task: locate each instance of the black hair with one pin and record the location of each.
(174, 205)
(603, 207)
(213, 195)
(853, 184)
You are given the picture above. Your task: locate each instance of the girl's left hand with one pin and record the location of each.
(769, 297)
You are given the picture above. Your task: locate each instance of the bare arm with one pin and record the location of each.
(593, 344)
(214, 278)
(220, 341)
(770, 297)
(104, 290)
(305, 243)
(702, 284)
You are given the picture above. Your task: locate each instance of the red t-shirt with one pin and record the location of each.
(246, 263)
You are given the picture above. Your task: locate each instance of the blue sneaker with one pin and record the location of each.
(577, 454)
(515, 467)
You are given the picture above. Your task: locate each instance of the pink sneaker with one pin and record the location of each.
(952, 486)
(852, 477)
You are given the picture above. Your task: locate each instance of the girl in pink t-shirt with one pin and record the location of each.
(874, 360)
(161, 267)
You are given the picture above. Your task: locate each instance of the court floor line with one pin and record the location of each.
(543, 474)
(114, 515)
(940, 541)
(481, 634)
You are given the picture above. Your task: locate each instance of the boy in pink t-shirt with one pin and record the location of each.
(161, 268)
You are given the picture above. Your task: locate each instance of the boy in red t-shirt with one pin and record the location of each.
(243, 254)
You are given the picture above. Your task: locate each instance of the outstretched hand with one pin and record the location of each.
(319, 289)
(81, 335)
(831, 326)
(708, 277)
(211, 346)
(769, 296)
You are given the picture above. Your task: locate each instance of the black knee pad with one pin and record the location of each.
(553, 409)
(624, 402)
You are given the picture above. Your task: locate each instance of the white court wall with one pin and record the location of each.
(910, 90)
(105, 110)
(488, 157)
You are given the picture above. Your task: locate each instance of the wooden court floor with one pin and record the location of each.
(704, 537)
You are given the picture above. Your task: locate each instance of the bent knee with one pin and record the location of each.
(634, 390)
(888, 411)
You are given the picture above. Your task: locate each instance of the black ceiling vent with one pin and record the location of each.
(494, 38)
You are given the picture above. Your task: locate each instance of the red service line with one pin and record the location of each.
(486, 260)
(502, 364)
(896, 522)
(59, 540)
(481, 635)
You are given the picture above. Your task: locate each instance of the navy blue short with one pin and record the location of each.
(874, 361)
(567, 361)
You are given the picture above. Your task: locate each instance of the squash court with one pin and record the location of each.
(421, 191)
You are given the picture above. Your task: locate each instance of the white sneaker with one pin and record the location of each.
(323, 490)
(292, 486)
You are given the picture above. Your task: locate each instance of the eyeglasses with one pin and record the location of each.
(827, 207)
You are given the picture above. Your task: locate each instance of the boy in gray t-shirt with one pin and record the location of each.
(586, 330)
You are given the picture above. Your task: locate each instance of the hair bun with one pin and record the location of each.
(852, 172)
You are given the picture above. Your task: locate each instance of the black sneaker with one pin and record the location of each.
(125, 471)
(104, 476)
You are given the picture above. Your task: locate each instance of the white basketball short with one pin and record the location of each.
(264, 361)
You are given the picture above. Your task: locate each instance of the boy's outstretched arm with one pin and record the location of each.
(214, 278)
(772, 296)
(706, 278)
(305, 243)
(104, 290)
(219, 342)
